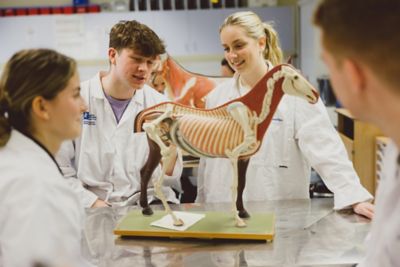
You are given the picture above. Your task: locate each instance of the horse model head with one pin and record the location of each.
(296, 85)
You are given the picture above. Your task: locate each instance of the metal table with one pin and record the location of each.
(308, 233)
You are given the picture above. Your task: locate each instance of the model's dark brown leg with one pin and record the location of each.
(146, 172)
(242, 168)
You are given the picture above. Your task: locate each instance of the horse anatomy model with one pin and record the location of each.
(233, 130)
(185, 87)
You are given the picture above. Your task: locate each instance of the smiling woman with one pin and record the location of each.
(41, 106)
(300, 135)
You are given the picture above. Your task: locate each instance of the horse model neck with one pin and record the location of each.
(176, 76)
(185, 87)
(263, 99)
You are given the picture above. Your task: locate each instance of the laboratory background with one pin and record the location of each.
(311, 231)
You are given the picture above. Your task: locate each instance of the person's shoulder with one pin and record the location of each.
(91, 87)
(34, 172)
(222, 88)
(152, 94)
(85, 84)
(95, 77)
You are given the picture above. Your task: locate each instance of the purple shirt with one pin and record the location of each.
(118, 106)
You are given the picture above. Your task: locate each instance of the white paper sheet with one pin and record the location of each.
(188, 219)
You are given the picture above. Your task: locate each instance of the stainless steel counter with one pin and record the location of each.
(308, 233)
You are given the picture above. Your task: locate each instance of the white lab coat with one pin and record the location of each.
(299, 137)
(41, 218)
(107, 157)
(383, 244)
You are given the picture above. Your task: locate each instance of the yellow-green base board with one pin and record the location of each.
(260, 226)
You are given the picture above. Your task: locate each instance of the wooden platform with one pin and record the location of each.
(220, 225)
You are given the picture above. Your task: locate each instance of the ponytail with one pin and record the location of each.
(272, 51)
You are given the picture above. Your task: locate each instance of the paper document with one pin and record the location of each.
(188, 220)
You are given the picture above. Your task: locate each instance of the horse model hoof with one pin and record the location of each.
(147, 211)
(244, 214)
(240, 224)
(178, 222)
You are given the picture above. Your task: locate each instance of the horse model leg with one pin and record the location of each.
(146, 172)
(239, 221)
(154, 132)
(242, 168)
(239, 113)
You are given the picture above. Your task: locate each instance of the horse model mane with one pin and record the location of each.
(233, 130)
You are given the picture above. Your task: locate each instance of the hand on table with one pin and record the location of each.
(100, 203)
(365, 209)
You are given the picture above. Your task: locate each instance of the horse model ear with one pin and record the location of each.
(289, 60)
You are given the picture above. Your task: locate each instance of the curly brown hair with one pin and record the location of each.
(136, 36)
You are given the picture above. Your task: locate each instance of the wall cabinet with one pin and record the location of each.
(359, 139)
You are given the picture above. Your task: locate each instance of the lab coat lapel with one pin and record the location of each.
(102, 109)
(136, 105)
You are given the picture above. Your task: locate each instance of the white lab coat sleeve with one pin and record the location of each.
(48, 233)
(383, 243)
(325, 152)
(66, 160)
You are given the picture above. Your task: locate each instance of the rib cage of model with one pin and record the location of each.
(233, 130)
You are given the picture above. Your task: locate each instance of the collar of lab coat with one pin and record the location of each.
(19, 140)
(238, 92)
(138, 97)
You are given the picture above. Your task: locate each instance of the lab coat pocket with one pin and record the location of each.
(260, 182)
(270, 152)
(217, 180)
(95, 162)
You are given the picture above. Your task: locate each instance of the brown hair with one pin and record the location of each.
(256, 29)
(136, 36)
(28, 74)
(364, 30)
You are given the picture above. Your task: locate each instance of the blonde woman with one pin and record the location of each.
(300, 135)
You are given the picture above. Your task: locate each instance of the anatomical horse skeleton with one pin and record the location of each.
(233, 130)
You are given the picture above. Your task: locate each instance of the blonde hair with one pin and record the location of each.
(256, 29)
(28, 74)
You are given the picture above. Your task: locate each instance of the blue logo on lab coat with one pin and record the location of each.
(89, 119)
